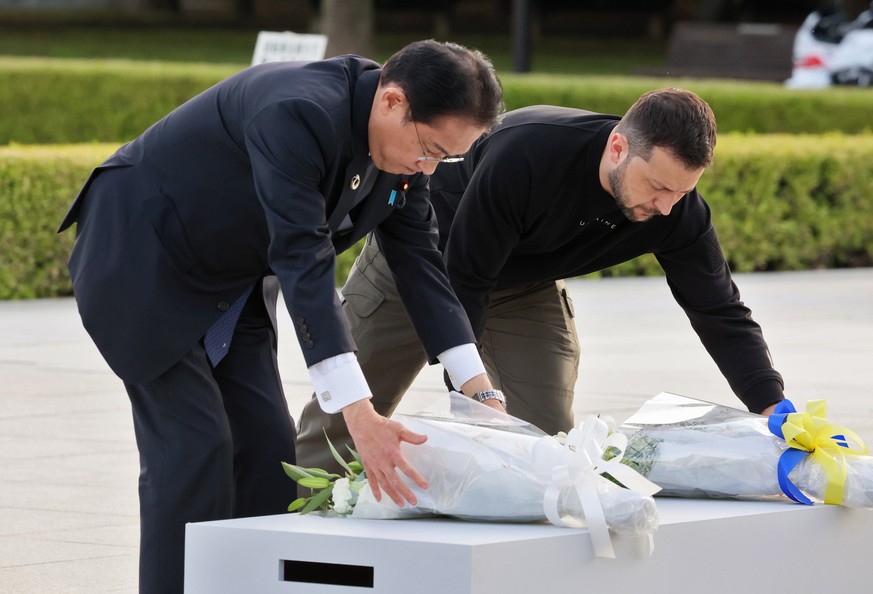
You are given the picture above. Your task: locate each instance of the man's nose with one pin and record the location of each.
(664, 204)
(427, 167)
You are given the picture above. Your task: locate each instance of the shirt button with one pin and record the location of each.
(223, 305)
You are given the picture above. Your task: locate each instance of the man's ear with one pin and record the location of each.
(618, 147)
(392, 97)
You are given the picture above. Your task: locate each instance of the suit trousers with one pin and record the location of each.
(211, 443)
(529, 347)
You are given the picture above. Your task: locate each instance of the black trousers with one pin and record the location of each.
(211, 442)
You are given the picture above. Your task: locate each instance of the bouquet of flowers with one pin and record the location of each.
(487, 466)
(692, 448)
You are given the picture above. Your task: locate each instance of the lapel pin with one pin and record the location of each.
(402, 186)
(356, 181)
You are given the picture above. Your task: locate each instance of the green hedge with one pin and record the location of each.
(47, 101)
(37, 185)
(787, 202)
(750, 107)
(779, 203)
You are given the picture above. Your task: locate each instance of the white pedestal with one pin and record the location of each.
(701, 546)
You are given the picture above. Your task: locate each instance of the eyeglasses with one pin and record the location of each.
(426, 159)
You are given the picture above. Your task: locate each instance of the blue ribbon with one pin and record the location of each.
(790, 457)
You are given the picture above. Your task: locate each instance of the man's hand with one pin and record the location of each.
(377, 440)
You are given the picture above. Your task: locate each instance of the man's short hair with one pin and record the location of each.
(675, 120)
(446, 79)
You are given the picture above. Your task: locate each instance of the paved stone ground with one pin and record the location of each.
(68, 462)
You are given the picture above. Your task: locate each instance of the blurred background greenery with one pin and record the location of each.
(789, 188)
(563, 36)
(235, 46)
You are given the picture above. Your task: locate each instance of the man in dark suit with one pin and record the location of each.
(186, 234)
(553, 193)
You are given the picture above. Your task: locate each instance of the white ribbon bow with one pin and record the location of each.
(582, 461)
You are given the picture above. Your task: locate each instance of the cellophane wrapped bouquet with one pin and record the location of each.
(483, 465)
(693, 448)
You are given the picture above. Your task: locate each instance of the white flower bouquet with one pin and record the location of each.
(692, 448)
(486, 466)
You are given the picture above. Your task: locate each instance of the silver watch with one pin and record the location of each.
(490, 395)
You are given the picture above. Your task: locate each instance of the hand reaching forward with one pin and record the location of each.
(377, 440)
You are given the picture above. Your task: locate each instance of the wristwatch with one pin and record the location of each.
(490, 395)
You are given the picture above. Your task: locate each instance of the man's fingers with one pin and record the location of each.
(378, 443)
(374, 487)
(391, 484)
(395, 489)
(409, 470)
(412, 437)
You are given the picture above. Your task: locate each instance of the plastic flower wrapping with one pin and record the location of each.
(692, 448)
(483, 465)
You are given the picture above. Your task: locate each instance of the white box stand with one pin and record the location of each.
(701, 546)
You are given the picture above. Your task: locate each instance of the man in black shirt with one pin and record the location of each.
(549, 194)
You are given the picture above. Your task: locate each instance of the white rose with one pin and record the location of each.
(342, 495)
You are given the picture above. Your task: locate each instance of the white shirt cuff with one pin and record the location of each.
(462, 363)
(338, 382)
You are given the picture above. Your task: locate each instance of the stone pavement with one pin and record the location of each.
(69, 466)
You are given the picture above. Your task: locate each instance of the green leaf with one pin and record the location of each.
(335, 454)
(319, 473)
(355, 455)
(298, 503)
(313, 482)
(356, 467)
(296, 472)
(319, 500)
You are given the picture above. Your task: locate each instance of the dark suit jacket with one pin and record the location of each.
(250, 178)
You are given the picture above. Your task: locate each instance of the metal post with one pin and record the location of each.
(521, 35)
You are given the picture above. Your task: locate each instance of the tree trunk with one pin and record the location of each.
(348, 25)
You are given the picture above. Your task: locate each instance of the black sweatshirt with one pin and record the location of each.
(533, 210)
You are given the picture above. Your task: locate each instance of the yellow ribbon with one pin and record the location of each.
(828, 444)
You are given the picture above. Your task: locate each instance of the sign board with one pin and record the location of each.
(273, 46)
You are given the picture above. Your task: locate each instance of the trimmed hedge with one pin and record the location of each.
(65, 101)
(787, 202)
(72, 101)
(779, 202)
(739, 106)
(37, 184)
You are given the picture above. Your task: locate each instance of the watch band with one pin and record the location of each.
(490, 395)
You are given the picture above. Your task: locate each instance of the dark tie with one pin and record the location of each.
(217, 339)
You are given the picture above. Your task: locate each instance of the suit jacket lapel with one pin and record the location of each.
(356, 172)
(359, 179)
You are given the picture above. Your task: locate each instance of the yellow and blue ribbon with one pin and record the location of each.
(810, 433)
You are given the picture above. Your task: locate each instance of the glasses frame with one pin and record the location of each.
(425, 158)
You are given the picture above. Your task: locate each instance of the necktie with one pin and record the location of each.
(219, 335)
